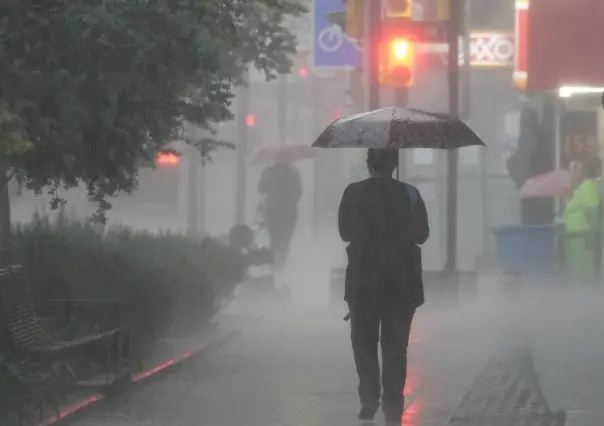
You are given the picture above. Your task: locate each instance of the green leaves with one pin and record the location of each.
(12, 140)
(162, 276)
(97, 84)
(29, 390)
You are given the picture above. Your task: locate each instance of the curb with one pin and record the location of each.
(97, 399)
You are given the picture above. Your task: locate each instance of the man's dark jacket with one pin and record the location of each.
(383, 229)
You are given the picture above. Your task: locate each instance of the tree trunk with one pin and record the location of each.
(5, 220)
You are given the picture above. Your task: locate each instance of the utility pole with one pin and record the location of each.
(401, 95)
(372, 33)
(243, 103)
(455, 18)
(465, 109)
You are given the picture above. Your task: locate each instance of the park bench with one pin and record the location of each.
(27, 337)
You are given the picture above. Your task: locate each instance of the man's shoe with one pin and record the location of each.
(367, 414)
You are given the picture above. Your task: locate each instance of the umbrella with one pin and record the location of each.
(552, 184)
(398, 127)
(287, 153)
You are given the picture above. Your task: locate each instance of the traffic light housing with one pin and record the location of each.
(397, 61)
(399, 9)
(443, 10)
(355, 19)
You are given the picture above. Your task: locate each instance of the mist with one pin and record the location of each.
(299, 349)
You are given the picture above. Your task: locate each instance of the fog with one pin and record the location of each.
(291, 362)
(289, 353)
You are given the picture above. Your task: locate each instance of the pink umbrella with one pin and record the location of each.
(552, 184)
(287, 153)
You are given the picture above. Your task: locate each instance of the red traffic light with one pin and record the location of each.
(250, 120)
(397, 61)
(303, 72)
(167, 159)
(400, 49)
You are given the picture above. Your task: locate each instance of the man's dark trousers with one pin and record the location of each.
(368, 314)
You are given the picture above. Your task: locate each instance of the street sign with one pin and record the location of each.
(331, 47)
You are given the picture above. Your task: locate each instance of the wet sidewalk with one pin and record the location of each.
(292, 369)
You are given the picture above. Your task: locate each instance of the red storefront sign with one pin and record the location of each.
(557, 44)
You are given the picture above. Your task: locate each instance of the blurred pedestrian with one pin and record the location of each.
(384, 221)
(281, 186)
(581, 218)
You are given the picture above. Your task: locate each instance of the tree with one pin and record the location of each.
(96, 86)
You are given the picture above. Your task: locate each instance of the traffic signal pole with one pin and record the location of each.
(401, 96)
(373, 24)
(456, 14)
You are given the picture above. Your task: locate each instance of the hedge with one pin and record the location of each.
(163, 280)
(161, 277)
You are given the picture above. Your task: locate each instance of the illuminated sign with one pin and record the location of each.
(579, 135)
(488, 49)
(492, 50)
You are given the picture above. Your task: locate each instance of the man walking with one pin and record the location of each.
(281, 186)
(383, 220)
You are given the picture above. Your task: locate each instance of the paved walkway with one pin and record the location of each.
(294, 368)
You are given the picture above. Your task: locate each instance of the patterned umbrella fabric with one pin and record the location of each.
(556, 183)
(398, 127)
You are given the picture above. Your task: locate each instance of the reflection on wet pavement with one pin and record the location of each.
(294, 367)
(295, 371)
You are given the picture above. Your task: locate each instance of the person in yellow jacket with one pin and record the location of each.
(581, 219)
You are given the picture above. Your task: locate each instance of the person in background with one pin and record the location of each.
(383, 220)
(281, 186)
(581, 219)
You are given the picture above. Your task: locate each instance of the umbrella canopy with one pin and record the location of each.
(398, 127)
(287, 153)
(556, 183)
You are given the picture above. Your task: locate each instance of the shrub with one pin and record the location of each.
(161, 277)
(28, 391)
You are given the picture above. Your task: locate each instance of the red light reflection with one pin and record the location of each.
(414, 404)
(70, 410)
(143, 375)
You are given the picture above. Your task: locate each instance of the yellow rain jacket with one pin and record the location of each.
(581, 225)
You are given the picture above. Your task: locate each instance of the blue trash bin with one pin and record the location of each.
(527, 250)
